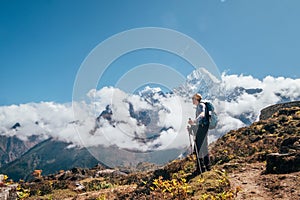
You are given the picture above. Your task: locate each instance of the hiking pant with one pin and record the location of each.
(202, 147)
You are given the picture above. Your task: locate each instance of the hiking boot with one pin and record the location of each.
(206, 162)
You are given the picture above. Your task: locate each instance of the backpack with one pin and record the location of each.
(211, 115)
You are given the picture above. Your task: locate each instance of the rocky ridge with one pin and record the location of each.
(278, 135)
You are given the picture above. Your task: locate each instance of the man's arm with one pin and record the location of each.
(201, 115)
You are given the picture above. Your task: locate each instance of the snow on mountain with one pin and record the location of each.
(148, 91)
(152, 95)
(200, 81)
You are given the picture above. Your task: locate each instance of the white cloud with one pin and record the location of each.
(49, 119)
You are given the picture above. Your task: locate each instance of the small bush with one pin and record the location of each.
(174, 189)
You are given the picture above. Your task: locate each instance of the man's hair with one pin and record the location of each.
(197, 96)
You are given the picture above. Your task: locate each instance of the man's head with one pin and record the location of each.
(196, 98)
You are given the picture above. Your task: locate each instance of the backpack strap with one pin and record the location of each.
(206, 111)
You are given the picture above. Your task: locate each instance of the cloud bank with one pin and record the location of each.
(148, 121)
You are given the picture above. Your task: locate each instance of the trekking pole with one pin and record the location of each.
(190, 132)
(197, 156)
(196, 149)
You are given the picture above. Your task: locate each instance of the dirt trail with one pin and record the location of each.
(256, 186)
(246, 178)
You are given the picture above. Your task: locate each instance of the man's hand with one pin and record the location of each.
(191, 122)
(202, 115)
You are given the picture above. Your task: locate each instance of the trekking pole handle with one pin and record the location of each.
(189, 126)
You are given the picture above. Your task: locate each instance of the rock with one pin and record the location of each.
(4, 193)
(106, 172)
(80, 187)
(17, 125)
(283, 163)
(290, 144)
(267, 112)
(8, 192)
(2, 178)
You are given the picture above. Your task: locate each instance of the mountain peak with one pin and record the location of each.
(200, 73)
(15, 126)
(200, 81)
(149, 90)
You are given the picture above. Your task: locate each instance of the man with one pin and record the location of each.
(200, 127)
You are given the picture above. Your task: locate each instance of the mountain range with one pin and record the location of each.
(148, 126)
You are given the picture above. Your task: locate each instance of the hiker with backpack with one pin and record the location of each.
(200, 126)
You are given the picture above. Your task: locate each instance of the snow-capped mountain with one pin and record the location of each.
(200, 81)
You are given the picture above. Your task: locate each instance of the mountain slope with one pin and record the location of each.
(263, 159)
(11, 147)
(278, 134)
(50, 156)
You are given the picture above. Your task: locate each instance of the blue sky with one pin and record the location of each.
(43, 43)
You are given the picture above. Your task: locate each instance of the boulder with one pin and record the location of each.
(283, 163)
(267, 112)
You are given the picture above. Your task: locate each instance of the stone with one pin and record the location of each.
(283, 163)
(267, 112)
